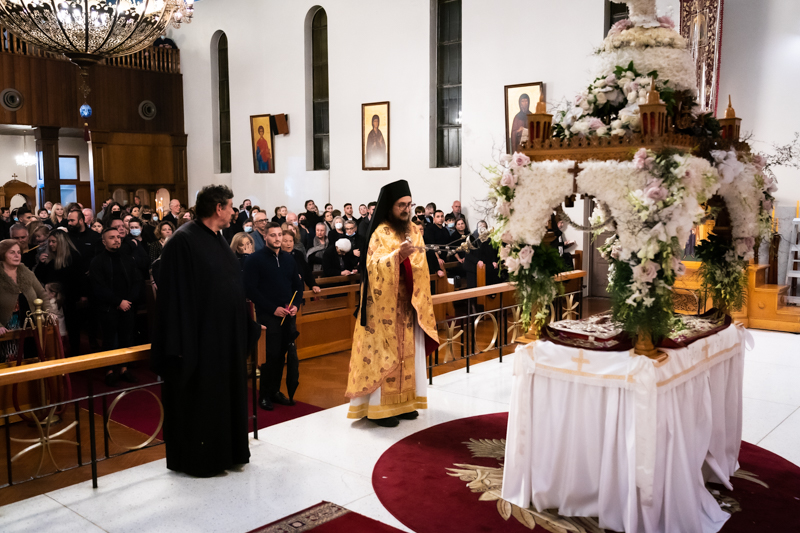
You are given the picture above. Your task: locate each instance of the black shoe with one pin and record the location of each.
(265, 404)
(409, 416)
(110, 379)
(390, 422)
(281, 399)
(127, 376)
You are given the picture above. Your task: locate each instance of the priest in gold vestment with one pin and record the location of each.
(396, 328)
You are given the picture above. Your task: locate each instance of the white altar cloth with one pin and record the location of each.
(625, 439)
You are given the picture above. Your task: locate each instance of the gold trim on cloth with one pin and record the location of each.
(385, 411)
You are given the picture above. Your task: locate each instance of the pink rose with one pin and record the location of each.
(508, 179)
(655, 191)
(620, 26)
(525, 256)
(749, 242)
(766, 205)
(505, 251)
(596, 123)
(615, 251)
(667, 22)
(645, 272)
(521, 160)
(507, 237)
(512, 264)
(642, 160)
(759, 161)
(611, 79)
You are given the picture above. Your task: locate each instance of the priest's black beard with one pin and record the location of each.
(399, 226)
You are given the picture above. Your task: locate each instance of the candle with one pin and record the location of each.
(797, 210)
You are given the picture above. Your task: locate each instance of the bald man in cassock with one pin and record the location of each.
(396, 328)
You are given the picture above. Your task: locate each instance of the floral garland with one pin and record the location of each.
(748, 194)
(655, 201)
(610, 105)
(624, 34)
(524, 195)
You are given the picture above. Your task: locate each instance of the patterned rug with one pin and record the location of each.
(449, 477)
(326, 517)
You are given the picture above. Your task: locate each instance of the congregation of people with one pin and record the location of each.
(91, 269)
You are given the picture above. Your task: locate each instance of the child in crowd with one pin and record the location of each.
(56, 297)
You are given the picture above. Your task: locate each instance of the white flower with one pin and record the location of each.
(512, 264)
(526, 256)
(728, 165)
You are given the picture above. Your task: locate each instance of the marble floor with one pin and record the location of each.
(324, 456)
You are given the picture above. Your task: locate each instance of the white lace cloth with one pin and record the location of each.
(624, 439)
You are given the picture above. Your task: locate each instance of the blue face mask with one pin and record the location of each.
(136, 232)
(248, 229)
(451, 225)
(351, 234)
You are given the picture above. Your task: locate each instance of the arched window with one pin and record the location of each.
(221, 103)
(319, 65)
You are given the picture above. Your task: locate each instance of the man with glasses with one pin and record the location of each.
(260, 233)
(395, 327)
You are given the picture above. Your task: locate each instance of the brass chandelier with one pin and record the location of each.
(87, 31)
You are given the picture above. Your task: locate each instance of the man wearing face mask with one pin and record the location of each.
(450, 224)
(148, 226)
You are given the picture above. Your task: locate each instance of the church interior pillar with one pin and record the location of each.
(47, 153)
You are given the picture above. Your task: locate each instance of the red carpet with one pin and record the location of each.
(411, 480)
(326, 517)
(139, 410)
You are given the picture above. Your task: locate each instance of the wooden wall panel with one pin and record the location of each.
(50, 89)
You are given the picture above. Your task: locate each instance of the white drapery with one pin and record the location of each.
(624, 439)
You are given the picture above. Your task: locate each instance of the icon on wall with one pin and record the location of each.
(519, 100)
(263, 146)
(375, 136)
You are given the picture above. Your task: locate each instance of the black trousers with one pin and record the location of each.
(280, 349)
(118, 327)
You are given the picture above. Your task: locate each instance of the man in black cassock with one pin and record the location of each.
(200, 345)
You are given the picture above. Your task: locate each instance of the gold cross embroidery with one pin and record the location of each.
(706, 347)
(581, 360)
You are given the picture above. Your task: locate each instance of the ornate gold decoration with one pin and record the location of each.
(45, 440)
(685, 301)
(653, 113)
(540, 123)
(622, 148)
(494, 335)
(731, 124)
(451, 340)
(515, 324)
(569, 310)
(152, 437)
(488, 481)
(644, 346)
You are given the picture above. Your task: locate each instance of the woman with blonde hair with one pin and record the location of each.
(57, 217)
(242, 245)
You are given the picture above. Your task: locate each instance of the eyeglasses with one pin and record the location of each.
(404, 206)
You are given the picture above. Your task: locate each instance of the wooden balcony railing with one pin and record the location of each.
(153, 59)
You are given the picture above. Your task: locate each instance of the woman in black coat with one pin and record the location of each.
(287, 245)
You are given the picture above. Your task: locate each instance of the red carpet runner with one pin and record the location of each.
(326, 517)
(139, 410)
(411, 480)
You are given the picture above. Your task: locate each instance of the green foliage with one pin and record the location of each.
(656, 318)
(536, 288)
(724, 279)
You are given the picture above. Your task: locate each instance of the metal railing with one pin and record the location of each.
(154, 59)
(43, 417)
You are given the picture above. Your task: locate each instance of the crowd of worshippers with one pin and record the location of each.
(90, 269)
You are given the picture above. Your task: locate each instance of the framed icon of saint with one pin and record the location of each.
(520, 99)
(375, 136)
(263, 146)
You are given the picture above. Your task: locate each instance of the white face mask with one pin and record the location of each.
(338, 225)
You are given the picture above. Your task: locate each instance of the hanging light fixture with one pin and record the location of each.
(25, 159)
(87, 31)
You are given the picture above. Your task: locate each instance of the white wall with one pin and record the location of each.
(380, 50)
(10, 147)
(79, 147)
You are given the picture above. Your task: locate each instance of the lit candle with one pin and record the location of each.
(797, 210)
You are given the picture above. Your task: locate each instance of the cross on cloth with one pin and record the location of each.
(581, 360)
(575, 171)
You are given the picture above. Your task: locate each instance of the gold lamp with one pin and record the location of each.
(540, 123)
(731, 124)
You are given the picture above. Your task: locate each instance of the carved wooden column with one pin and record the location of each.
(47, 152)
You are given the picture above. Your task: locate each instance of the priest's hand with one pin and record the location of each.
(406, 249)
(124, 305)
(281, 312)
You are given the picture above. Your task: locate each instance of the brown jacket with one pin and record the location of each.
(27, 284)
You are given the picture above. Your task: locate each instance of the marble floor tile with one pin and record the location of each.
(759, 417)
(42, 513)
(775, 347)
(276, 483)
(785, 439)
(371, 506)
(771, 382)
